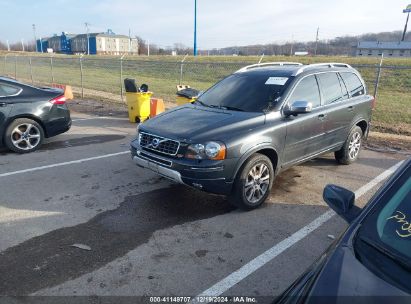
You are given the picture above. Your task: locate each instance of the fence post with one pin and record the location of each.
(31, 71)
(15, 67)
(377, 80)
(121, 77)
(181, 68)
(51, 66)
(81, 76)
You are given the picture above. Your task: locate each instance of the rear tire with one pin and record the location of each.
(24, 135)
(351, 149)
(253, 183)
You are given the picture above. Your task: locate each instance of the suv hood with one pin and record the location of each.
(192, 122)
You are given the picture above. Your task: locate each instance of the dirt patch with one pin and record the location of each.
(399, 128)
(103, 107)
(389, 143)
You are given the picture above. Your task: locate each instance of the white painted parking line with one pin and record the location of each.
(62, 164)
(237, 276)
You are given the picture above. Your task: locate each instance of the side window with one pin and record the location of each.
(6, 90)
(330, 87)
(354, 84)
(307, 90)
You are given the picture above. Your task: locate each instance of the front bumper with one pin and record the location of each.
(168, 173)
(211, 179)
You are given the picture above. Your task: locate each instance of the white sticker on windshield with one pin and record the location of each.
(276, 81)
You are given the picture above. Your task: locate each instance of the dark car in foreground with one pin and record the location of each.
(371, 262)
(238, 135)
(29, 114)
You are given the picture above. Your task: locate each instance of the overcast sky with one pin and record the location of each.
(220, 22)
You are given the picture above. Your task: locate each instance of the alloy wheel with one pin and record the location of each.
(355, 145)
(26, 136)
(257, 183)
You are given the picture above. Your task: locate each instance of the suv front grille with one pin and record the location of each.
(158, 144)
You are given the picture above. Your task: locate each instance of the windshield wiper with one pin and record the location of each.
(392, 255)
(218, 107)
(201, 103)
(231, 108)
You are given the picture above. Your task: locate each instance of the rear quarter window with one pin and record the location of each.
(353, 84)
(6, 90)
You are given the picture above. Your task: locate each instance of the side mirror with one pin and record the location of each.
(299, 107)
(341, 201)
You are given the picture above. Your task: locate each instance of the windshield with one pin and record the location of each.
(245, 92)
(387, 230)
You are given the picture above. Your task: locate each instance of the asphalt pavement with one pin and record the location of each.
(143, 235)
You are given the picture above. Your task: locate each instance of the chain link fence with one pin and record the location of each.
(103, 78)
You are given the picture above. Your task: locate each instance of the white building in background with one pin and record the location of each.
(104, 43)
(377, 48)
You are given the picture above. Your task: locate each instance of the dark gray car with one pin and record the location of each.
(238, 135)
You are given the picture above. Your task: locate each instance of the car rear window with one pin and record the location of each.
(245, 92)
(353, 84)
(6, 90)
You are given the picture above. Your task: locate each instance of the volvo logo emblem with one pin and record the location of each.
(155, 142)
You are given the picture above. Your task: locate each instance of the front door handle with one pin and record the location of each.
(322, 116)
(3, 104)
(351, 108)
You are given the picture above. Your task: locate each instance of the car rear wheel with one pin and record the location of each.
(253, 184)
(350, 151)
(24, 135)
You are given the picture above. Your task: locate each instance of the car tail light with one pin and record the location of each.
(373, 102)
(59, 100)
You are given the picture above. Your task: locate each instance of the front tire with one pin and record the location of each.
(253, 183)
(351, 149)
(24, 135)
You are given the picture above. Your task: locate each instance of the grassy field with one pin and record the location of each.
(101, 75)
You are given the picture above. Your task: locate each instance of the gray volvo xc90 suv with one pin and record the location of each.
(239, 134)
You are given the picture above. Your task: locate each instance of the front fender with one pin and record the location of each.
(253, 150)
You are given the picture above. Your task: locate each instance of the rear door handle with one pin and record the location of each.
(351, 108)
(322, 116)
(3, 104)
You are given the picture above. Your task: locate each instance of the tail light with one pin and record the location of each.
(59, 100)
(373, 102)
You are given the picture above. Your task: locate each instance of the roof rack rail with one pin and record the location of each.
(258, 65)
(326, 64)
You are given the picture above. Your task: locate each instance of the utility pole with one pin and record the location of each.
(35, 38)
(292, 45)
(195, 27)
(86, 24)
(129, 41)
(407, 10)
(316, 41)
(22, 44)
(148, 47)
(8, 45)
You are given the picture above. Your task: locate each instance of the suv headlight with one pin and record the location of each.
(210, 150)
